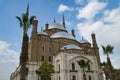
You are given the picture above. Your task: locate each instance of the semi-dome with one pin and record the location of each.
(43, 33)
(56, 25)
(62, 35)
(70, 46)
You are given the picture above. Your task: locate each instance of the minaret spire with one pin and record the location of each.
(63, 21)
(41, 29)
(27, 11)
(54, 20)
(82, 38)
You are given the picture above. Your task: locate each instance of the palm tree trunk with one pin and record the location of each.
(107, 55)
(110, 67)
(24, 58)
(106, 76)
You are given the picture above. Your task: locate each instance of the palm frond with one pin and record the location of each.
(105, 50)
(20, 20)
(111, 49)
(31, 19)
(25, 18)
(25, 22)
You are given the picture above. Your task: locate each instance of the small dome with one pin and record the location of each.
(56, 25)
(70, 46)
(44, 33)
(62, 35)
(84, 41)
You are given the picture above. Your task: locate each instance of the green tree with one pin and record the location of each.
(25, 23)
(83, 64)
(104, 67)
(45, 71)
(107, 50)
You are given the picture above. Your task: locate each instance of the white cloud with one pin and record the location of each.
(8, 60)
(63, 8)
(107, 31)
(112, 16)
(78, 1)
(90, 10)
(6, 54)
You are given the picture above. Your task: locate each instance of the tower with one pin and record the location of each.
(34, 29)
(33, 42)
(95, 48)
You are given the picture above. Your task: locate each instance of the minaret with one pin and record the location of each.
(63, 21)
(73, 33)
(46, 26)
(94, 40)
(95, 47)
(54, 21)
(34, 29)
(27, 11)
(82, 38)
(33, 42)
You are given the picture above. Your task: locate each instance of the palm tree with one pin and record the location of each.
(83, 64)
(25, 23)
(45, 70)
(107, 50)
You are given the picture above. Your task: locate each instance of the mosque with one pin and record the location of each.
(56, 45)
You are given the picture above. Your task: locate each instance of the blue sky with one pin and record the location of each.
(85, 16)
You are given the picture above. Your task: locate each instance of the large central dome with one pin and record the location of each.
(62, 35)
(56, 25)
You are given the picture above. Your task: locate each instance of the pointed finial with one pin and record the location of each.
(73, 33)
(93, 33)
(63, 18)
(41, 29)
(54, 20)
(72, 28)
(82, 38)
(27, 11)
(63, 21)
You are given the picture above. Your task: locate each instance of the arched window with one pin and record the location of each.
(73, 66)
(59, 77)
(89, 67)
(50, 59)
(50, 49)
(73, 78)
(43, 48)
(90, 78)
(42, 58)
(59, 67)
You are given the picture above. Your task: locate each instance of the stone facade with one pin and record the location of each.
(54, 44)
(117, 74)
